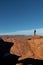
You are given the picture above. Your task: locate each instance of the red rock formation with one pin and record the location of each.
(26, 47)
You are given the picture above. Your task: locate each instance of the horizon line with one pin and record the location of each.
(39, 31)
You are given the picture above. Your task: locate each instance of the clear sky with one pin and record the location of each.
(16, 15)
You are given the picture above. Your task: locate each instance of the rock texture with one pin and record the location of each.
(26, 46)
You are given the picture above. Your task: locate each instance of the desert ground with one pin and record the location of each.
(27, 49)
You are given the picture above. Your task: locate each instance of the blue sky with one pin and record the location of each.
(20, 15)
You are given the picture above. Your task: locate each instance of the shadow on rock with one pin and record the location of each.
(5, 57)
(31, 61)
(9, 59)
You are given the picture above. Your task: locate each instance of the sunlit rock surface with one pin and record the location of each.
(26, 46)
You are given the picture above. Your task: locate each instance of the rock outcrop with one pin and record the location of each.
(26, 46)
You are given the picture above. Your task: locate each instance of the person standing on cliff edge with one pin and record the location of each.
(34, 32)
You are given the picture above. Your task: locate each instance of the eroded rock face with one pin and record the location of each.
(26, 47)
(36, 46)
(21, 48)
